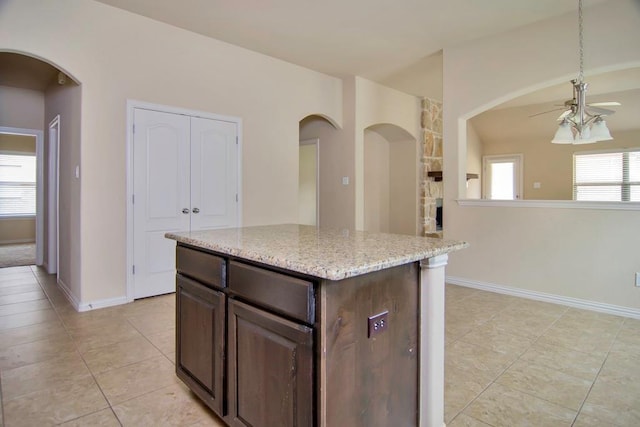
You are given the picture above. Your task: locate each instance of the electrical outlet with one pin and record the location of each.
(378, 323)
(638, 279)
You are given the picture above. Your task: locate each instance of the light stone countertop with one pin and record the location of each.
(325, 253)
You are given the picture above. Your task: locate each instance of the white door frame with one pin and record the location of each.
(516, 159)
(54, 189)
(131, 106)
(39, 135)
(316, 142)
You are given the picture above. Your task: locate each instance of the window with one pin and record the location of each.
(17, 185)
(502, 177)
(607, 176)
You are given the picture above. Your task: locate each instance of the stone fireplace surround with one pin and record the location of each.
(431, 160)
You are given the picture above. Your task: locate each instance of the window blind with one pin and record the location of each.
(17, 185)
(607, 176)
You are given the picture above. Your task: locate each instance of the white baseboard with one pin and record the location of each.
(102, 303)
(87, 306)
(16, 241)
(617, 310)
(75, 302)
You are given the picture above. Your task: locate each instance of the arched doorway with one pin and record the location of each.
(390, 180)
(318, 141)
(39, 99)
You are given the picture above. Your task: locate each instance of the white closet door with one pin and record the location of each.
(161, 197)
(214, 174)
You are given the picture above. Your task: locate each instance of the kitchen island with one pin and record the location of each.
(292, 325)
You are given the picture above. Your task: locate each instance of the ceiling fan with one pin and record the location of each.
(571, 106)
(582, 123)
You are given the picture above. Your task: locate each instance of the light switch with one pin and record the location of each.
(345, 180)
(536, 185)
(77, 171)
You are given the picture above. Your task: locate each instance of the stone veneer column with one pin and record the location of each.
(430, 190)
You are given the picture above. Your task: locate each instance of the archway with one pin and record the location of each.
(390, 180)
(44, 93)
(318, 186)
(523, 124)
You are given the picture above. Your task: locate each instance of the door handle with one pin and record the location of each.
(196, 210)
(185, 211)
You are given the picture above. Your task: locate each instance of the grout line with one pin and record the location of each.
(492, 382)
(73, 341)
(578, 411)
(41, 280)
(1, 403)
(599, 371)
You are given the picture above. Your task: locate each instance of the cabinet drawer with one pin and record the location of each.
(205, 268)
(279, 292)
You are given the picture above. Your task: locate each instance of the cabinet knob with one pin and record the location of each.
(196, 210)
(185, 211)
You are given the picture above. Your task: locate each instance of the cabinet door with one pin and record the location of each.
(200, 322)
(270, 369)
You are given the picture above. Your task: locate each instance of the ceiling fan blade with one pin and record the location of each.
(564, 114)
(545, 112)
(604, 104)
(599, 111)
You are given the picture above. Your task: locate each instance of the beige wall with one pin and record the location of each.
(403, 187)
(364, 104)
(335, 198)
(66, 102)
(552, 164)
(21, 108)
(580, 253)
(474, 162)
(117, 56)
(18, 143)
(390, 182)
(307, 187)
(376, 104)
(376, 182)
(21, 230)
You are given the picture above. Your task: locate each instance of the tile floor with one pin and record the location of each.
(509, 362)
(516, 362)
(108, 367)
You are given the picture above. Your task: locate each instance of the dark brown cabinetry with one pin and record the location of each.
(264, 347)
(270, 369)
(200, 331)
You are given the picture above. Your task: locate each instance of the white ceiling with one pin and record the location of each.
(397, 43)
(382, 40)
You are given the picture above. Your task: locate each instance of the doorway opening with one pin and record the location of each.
(309, 182)
(322, 194)
(503, 177)
(390, 180)
(21, 190)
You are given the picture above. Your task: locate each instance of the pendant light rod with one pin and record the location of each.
(576, 126)
(580, 42)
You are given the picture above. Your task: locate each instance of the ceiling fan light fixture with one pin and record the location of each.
(563, 135)
(581, 118)
(584, 137)
(600, 131)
